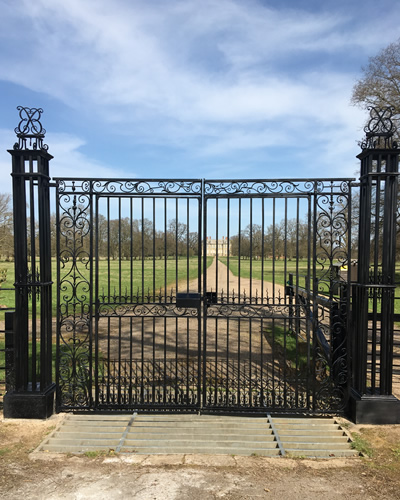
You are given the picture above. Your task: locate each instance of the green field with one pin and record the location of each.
(292, 348)
(116, 277)
(278, 272)
(273, 271)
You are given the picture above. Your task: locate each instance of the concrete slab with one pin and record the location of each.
(163, 460)
(156, 436)
(210, 460)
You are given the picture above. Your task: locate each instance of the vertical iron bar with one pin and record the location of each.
(131, 247)
(202, 370)
(154, 362)
(375, 280)
(216, 248)
(176, 293)
(297, 281)
(229, 251)
(187, 245)
(311, 235)
(239, 248)
(90, 305)
(96, 303)
(314, 292)
(58, 312)
(119, 251)
(273, 247)
(21, 274)
(251, 297)
(251, 250)
(119, 358)
(228, 300)
(165, 249)
(33, 273)
(388, 275)
(45, 275)
(108, 250)
(154, 251)
(262, 248)
(143, 253)
(142, 365)
(176, 245)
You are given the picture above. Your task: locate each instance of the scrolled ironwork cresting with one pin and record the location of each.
(380, 129)
(30, 129)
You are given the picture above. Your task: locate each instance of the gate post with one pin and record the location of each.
(371, 399)
(32, 394)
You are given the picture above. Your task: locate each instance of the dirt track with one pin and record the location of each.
(147, 336)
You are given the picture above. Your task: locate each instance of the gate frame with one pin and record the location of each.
(31, 392)
(34, 398)
(378, 177)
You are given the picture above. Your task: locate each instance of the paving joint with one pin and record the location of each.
(276, 434)
(126, 431)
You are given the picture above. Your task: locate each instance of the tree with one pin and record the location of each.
(379, 85)
(6, 227)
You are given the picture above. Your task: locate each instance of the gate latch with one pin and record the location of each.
(190, 299)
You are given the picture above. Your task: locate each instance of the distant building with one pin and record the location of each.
(217, 247)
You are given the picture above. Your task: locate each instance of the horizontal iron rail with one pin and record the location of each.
(138, 180)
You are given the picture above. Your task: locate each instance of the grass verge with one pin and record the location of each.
(291, 348)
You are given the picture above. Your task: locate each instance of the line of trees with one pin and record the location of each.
(127, 238)
(6, 228)
(287, 239)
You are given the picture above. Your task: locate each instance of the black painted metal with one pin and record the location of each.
(126, 339)
(374, 293)
(150, 317)
(211, 295)
(33, 279)
(268, 345)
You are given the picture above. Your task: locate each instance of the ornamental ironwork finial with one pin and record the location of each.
(380, 129)
(30, 129)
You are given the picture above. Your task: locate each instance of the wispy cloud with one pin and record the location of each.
(69, 161)
(214, 77)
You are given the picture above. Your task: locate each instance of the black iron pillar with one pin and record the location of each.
(371, 398)
(31, 394)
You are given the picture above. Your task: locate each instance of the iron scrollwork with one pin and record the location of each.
(332, 234)
(281, 187)
(74, 308)
(380, 129)
(146, 310)
(30, 129)
(140, 187)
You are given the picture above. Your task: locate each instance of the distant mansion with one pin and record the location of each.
(217, 247)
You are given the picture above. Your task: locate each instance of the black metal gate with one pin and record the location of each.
(188, 295)
(275, 330)
(211, 295)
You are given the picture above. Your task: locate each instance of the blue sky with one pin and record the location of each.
(191, 88)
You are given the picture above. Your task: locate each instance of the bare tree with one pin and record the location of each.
(6, 227)
(379, 85)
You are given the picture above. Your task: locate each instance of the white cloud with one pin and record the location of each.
(68, 160)
(214, 77)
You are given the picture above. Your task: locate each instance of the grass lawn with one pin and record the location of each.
(274, 271)
(277, 270)
(116, 277)
(293, 350)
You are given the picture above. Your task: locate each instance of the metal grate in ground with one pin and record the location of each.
(204, 434)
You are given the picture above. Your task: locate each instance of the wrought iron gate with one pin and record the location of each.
(211, 295)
